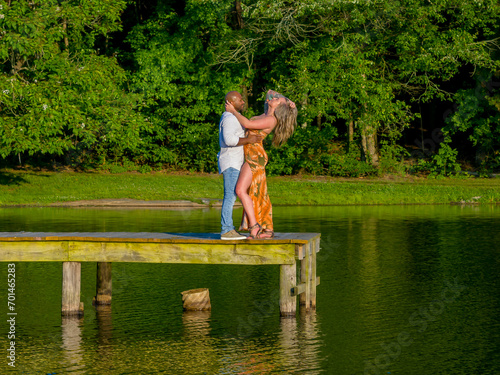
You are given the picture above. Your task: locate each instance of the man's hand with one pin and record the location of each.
(251, 138)
(254, 138)
(230, 107)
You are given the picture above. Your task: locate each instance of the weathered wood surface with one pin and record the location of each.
(313, 280)
(196, 299)
(71, 285)
(280, 238)
(305, 276)
(104, 284)
(195, 248)
(288, 279)
(285, 249)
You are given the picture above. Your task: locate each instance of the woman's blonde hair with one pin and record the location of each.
(286, 117)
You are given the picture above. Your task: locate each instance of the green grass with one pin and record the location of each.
(329, 191)
(43, 188)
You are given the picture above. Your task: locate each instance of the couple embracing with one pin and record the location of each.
(242, 161)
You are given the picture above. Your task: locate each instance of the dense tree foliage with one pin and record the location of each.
(60, 96)
(111, 84)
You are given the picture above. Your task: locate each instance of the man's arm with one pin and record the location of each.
(230, 128)
(229, 131)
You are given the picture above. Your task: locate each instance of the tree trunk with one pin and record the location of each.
(369, 143)
(350, 130)
(65, 28)
(244, 95)
(239, 15)
(369, 138)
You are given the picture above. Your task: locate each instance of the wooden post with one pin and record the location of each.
(305, 276)
(314, 250)
(71, 289)
(196, 299)
(288, 280)
(103, 284)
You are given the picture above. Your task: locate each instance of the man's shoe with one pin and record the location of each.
(232, 235)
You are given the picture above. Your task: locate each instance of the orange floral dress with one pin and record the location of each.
(256, 157)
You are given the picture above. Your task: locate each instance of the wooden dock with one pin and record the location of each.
(295, 253)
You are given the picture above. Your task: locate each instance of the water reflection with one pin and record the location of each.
(196, 325)
(71, 344)
(197, 342)
(383, 271)
(300, 343)
(105, 334)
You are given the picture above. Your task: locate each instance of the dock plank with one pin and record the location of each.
(149, 247)
(297, 238)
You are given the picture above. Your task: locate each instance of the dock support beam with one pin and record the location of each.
(103, 284)
(308, 281)
(313, 282)
(71, 289)
(305, 276)
(288, 280)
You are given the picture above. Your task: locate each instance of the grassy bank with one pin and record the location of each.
(43, 188)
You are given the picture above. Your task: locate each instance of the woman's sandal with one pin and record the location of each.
(267, 234)
(256, 235)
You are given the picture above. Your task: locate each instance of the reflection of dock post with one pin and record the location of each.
(196, 325)
(288, 280)
(289, 343)
(105, 332)
(71, 343)
(103, 284)
(71, 289)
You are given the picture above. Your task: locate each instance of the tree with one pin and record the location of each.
(174, 71)
(58, 94)
(364, 62)
(356, 69)
(478, 115)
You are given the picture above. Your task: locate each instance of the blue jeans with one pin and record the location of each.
(230, 179)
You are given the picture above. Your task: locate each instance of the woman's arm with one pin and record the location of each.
(259, 123)
(257, 117)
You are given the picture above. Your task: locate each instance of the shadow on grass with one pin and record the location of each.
(7, 178)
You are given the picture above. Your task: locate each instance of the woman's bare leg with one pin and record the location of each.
(242, 186)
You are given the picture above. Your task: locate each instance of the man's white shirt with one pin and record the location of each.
(230, 132)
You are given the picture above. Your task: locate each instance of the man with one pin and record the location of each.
(231, 158)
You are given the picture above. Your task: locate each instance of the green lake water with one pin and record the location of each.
(410, 290)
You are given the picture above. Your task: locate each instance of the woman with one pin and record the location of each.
(280, 117)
